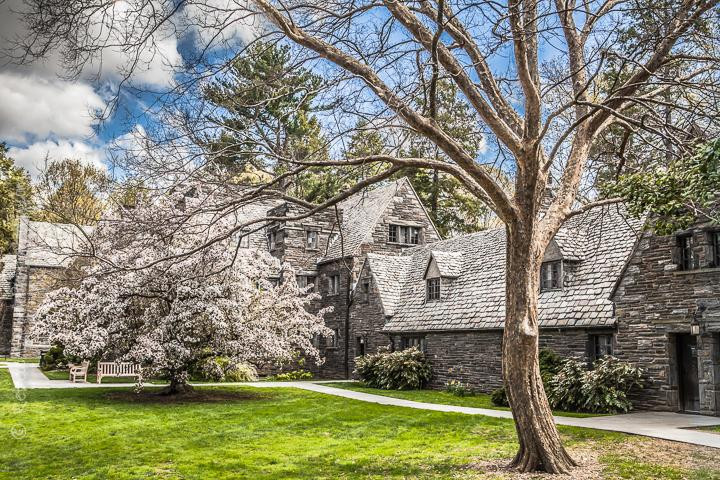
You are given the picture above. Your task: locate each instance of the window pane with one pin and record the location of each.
(393, 233)
(414, 235)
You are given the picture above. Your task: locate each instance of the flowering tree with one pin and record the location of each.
(221, 301)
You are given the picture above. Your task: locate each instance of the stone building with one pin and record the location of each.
(45, 250)
(607, 287)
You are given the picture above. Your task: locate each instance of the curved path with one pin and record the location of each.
(665, 425)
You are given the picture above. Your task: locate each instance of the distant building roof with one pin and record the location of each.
(47, 244)
(600, 241)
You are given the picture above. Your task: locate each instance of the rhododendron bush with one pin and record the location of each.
(149, 298)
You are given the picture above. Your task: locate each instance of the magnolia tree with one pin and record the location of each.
(219, 301)
(564, 93)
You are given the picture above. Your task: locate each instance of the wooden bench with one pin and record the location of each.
(114, 369)
(79, 371)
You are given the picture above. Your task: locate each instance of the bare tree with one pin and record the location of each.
(548, 79)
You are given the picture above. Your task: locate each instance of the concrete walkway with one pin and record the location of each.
(665, 425)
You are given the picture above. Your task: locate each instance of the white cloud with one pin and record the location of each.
(32, 157)
(218, 22)
(33, 107)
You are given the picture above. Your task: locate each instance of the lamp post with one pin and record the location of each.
(695, 323)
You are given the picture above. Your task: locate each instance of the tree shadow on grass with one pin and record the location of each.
(195, 396)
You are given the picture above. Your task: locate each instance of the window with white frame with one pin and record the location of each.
(551, 276)
(333, 284)
(272, 237)
(333, 341)
(433, 289)
(304, 281)
(311, 239)
(602, 346)
(404, 234)
(244, 241)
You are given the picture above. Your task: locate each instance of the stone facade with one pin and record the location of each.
(656, 303)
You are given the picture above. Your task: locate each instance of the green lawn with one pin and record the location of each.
(20, 360)
(273, 433)
(480, 400)
(92, 378)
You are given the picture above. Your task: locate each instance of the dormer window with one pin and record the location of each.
(333, 236)
(433, 289)
(550, 276)
(244, 241)
(404, 234)
(311, 237)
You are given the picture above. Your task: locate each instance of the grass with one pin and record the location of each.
(20, 360)
(479, 400)
(269, 433)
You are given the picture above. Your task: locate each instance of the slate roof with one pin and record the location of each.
(360, 213)
(390, 273)
(52, 244)
(449, 263)
(8, 265)
(599, 241)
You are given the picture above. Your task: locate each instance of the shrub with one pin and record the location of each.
(564, 390)
(458, 388)
(550, 364)
(604, 389)
(607, 385)
(223, 369)
(402, 370)
(499, 398)
(55, 359)
(291, 376)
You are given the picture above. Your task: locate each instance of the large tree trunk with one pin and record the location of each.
(540, 445)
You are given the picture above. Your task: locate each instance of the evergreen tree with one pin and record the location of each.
(15, 199)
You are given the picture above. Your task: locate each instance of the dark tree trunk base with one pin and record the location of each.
(176, 388)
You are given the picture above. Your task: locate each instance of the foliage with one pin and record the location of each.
(550, 364)
(673, 196)
(291, 376)
(498, 397)
(458, 388)
(604, 389)
(167, 315)
(406, 369)
(54, 359)
(71, 191)
(15, 199)
(224, 369)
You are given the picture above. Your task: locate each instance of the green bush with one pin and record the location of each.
(550, 364)
(402, 370)
(458, 388)
(604, 389)
(498, 397)
(291, 376)
(55, 359)
(223, 369)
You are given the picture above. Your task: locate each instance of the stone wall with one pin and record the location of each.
(6, 311)
(654, 302)
(474, 357)
(31, 286)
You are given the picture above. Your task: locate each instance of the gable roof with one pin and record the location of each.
(449, 263)
(47, 244)
(390, 273)
(360, 214)
(601, 241)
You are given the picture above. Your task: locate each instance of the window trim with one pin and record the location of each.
(399, 234)
(685, 244)
(272, 239)
(558, 283)
(715, 248)
(308, 234)
(595, 346)
(433, 289)
(333, 285)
